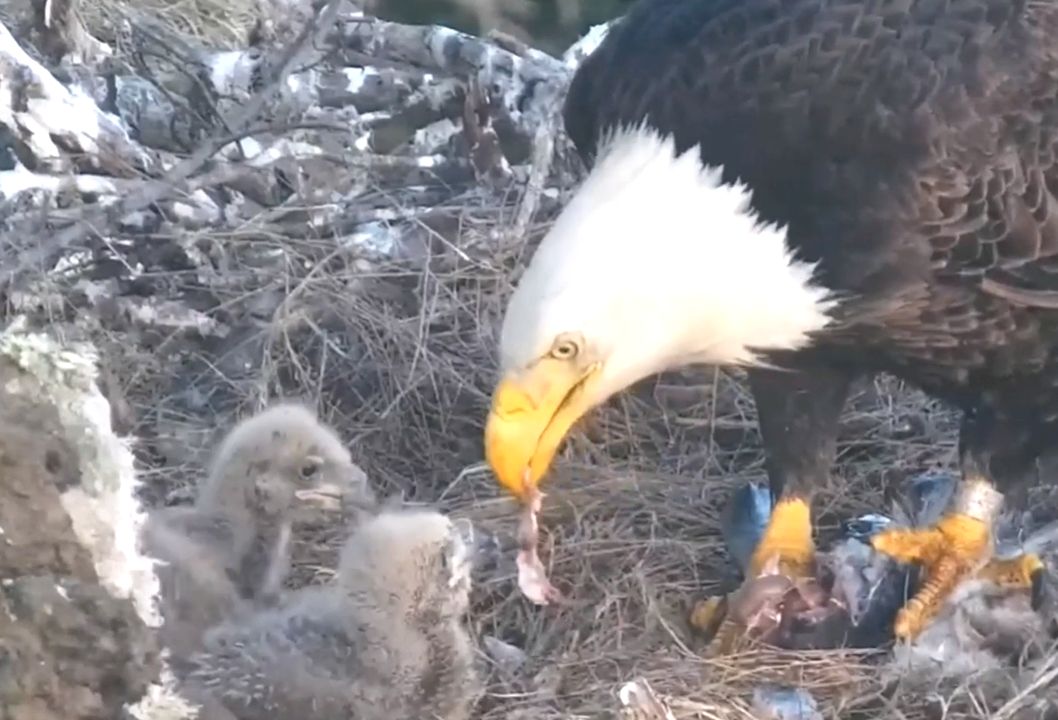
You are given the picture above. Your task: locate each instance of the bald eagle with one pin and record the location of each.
(815, 191)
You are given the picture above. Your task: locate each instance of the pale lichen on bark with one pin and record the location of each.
(105, 512)
(44, 378)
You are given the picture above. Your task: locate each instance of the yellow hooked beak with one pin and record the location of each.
(532, 411)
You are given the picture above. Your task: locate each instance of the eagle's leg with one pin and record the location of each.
(799, 413)
(961, 543)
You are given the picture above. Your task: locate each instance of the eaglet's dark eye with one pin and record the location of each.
(309, 469)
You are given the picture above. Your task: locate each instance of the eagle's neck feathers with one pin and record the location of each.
(660, 263)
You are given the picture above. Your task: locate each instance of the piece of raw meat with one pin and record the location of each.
(532, 577)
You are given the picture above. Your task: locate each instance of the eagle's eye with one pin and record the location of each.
(309, 469)
(565, 350)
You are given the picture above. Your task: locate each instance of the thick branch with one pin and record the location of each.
(57, 130)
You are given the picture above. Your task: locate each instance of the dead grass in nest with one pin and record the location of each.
(401, 361)
(215, 23)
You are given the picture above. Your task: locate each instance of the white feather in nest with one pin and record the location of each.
(104, 510)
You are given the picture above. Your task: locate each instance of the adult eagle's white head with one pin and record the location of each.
(654, 264)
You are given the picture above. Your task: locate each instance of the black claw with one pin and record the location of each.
(1039, 588)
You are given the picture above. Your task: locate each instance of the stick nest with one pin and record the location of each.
(367, 274)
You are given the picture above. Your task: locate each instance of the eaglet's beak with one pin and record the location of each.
(324, 495)
(532, 411)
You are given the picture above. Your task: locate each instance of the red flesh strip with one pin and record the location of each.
(532, 577)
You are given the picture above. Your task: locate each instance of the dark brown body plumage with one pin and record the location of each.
(910, 147)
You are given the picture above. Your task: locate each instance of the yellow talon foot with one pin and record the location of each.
(1017, 572)
(956, 548)
(787, 540)
(785, 552)
(728, 638)
(713, 618)
(707, 615)
(1024, 571)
